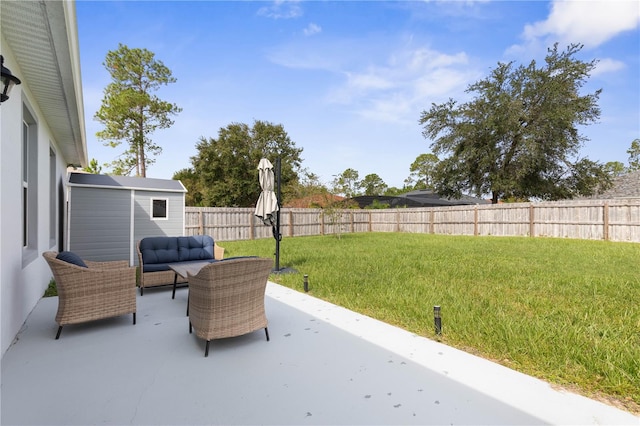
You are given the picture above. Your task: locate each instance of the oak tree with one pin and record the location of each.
(224, 172)
(518, 137)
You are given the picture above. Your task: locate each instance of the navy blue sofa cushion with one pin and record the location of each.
(159, 252)
(71, 257)
(198, 247)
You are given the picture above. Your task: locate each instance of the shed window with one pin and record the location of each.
(159, 208)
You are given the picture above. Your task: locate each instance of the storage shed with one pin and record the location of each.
(108, 215)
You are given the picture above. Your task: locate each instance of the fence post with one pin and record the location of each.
(605, 233)
(431, 221)
(351, 218)
(252, 234)
(322, 222)
(200, 223)
(290, 223)
(475, 221)
(370, 224)
(531, 221)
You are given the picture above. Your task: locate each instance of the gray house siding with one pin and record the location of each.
(99, 223)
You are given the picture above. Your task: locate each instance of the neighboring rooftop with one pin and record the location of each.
(417, 198)
(314, 201)
(323, 365)
(625, 186)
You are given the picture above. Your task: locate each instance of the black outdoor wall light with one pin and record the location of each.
(8, 81)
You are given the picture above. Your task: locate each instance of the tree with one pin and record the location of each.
(421, 172)
(130, 111)
(189, 179)
(307, 191)
(634, 155)
(346, 183)
(372, 184)
(518, 136)
(224, 172)
(614, 168)
(395, 191)
(93, 167)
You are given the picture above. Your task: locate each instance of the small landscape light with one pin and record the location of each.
(306, 282)
(437, 319)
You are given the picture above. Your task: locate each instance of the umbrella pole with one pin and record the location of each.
(277, 230)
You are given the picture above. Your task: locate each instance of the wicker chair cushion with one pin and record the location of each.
(71, 257)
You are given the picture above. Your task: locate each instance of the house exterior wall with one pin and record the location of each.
(52, 109)
(24, 276)
(99, 222)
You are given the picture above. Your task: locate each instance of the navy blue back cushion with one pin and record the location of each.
(70, 257)
(159, 250)
(199, 247)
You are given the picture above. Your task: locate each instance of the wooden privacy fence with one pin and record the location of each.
(611, 220)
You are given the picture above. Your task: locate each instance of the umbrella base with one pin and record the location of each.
(284, 270)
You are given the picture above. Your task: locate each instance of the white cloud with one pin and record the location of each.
(282, 9)
(591, 23)
(607, 65)
(379, 78)
(312, 29)
(409, 81)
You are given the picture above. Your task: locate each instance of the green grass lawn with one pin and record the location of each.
(566, 311)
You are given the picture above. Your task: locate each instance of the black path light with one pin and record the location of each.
(8, 81)
(437, 319)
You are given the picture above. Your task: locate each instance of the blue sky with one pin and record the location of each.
(349, 79)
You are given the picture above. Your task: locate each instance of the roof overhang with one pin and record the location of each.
(43, 37)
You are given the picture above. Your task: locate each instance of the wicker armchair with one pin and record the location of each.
(101, 290)
(226, 298)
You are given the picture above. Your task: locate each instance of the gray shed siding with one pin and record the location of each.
(145, 226)
(99, 223)
(108, 215)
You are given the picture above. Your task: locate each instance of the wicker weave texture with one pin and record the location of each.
(226, 299)
(102, 290)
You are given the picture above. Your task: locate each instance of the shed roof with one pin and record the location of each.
(125, 182)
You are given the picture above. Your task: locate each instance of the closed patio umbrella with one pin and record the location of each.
(267, 205)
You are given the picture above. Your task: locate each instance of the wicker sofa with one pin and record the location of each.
(156, 253)
(89, 291)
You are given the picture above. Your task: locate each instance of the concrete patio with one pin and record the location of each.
(323, 365)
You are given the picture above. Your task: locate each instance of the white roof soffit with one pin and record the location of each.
(43, 36)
